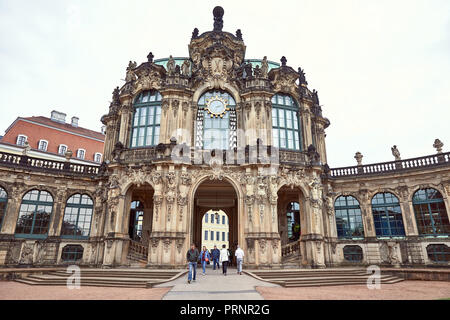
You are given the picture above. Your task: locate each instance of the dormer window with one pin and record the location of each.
(98, 157)
(42, 145)
(81, 153)
(62, 149)
(21, 139)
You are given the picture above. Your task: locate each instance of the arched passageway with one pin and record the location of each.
(291, 214)
(211, 197)
(139, 202)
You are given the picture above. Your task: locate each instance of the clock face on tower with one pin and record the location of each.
(216, 106)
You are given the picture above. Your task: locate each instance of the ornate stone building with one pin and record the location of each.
(218, 130)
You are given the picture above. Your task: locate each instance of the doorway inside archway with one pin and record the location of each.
(290, 214)
(216, 200)
(139, 202)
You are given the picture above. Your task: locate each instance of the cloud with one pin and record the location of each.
(382, 68)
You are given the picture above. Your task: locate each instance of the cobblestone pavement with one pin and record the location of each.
(10, 290)
(406, 290)
(215, 286)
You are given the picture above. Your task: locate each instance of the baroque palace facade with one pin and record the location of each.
(219, 131)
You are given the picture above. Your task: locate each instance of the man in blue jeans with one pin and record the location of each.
(215, 254)
(192, 257)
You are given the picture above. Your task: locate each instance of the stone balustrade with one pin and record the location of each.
(290, 249)
(441, 159)
(26, 162)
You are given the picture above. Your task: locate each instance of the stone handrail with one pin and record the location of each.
(26, 162)
(290, 248)
(138, 248)
(198, 156)
(392, 166)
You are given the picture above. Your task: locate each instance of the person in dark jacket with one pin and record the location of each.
(192, 257)
(215, 254)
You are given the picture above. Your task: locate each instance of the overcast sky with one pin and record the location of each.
(382, 68)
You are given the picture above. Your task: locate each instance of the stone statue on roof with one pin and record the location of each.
(171, 66)
(185, 68)
(396, 153)
(264, 68)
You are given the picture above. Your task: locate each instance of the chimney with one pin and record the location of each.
(103, 129)
(58, 116)
(75, 121)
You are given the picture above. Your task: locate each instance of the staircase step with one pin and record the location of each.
(105, 278)
(321, 277)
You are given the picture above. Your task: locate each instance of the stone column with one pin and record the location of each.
(306, 127)
(12, 210)
(59, 205)
(409, 219)
(366, 213)
(125, 118)
(164, 134)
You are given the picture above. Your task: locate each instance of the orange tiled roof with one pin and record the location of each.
(67, 126)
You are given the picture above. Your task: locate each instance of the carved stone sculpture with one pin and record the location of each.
(264, 68)
(171, 66)
(185, 68)
(358, 157)
(396, 153)
(438, 145)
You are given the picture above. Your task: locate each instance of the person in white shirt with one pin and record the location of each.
(224, 254)
(239, 259)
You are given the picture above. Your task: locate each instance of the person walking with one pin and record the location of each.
(192, 258)
(215, 254)
(224, 256)
(204, 258)
(230, 260)
(239, 259)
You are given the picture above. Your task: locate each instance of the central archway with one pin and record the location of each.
(212, 196)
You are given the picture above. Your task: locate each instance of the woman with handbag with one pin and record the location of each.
(204, 258)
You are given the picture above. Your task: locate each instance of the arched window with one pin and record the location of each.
(348, 217)
(293, 221)
(34, 215)
(77, 216)
(146, 119)
(136, 220)
(216, 121)
(3, 203)
(431, 216)
(286, 128)
(387, 215)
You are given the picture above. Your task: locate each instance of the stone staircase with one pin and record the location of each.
(290, 256)
(126, 278)
(319, 277)
(137, 254)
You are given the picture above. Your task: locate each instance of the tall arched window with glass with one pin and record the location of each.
(77, 216)
(387, 215)
(430, 212)
(286, 127)
(3, 203)
(216, 121)
(34, 214)
(349, 223)
(146, 119)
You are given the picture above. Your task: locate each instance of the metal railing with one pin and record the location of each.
(392, 166)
